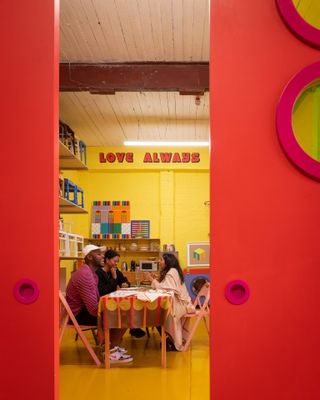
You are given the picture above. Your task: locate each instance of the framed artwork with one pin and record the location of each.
(140, 229)
(198, 254)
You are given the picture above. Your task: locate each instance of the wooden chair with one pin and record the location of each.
(65, 315)
(202, 311)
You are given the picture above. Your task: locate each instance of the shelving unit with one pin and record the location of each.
(152, 252)
(67, 207)
(68, 160)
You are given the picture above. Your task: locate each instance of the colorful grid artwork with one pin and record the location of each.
(110, 220)
(140, 229)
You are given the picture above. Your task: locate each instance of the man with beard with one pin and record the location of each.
(83, 298)
(82, 290)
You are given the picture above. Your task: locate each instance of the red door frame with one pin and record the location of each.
(265, 214)
(28, 200)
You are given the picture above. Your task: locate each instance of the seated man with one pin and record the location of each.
(83, 297)
(110, 278)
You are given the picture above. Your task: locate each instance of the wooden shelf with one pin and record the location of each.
(67, 160)
(137, 251)
(70, 258)
(117, 243)
(121, 240)
(67, 207)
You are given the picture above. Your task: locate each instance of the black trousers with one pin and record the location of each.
(85, 318)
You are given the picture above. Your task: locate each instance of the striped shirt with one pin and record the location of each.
(82, 291)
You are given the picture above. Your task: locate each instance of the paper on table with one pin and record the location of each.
(123, 293)
(149, 296)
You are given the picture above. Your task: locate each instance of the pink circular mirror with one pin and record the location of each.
(291, 143)
(302, 20)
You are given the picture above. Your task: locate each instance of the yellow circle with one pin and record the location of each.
(152, 306)
(111, 305)
(165, 303)
(125, 305)
(138, 304)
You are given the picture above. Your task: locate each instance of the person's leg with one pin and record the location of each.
(137, 332)
(85, 318)
(169, 342)
(116, 336)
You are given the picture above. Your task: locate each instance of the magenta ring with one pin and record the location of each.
(237, 292)
(26, 291)
(297, 24)
(285, 131)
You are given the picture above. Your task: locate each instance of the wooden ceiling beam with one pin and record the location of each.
(105, 78)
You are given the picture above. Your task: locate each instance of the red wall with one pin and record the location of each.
(28, 200)
(265, 214)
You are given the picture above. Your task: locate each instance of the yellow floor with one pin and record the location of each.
(186, 376)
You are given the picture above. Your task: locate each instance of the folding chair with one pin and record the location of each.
(202, 311)
(66, 315)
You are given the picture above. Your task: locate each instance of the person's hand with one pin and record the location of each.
(147, 276)
(113, 273)
(124, 285)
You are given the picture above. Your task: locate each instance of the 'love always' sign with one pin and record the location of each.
(156, 157)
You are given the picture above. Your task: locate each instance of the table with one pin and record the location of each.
(130, 312)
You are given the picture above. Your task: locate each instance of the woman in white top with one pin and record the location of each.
(172, 279)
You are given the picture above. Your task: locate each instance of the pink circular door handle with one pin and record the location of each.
(26, 291)
(237, 292)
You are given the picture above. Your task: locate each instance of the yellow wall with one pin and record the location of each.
(172, 197)
(305, 121)
(309, 11)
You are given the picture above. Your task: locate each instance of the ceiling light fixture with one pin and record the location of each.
(165, 143)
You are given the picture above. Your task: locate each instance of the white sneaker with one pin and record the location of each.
(119, 358)
(121, 350)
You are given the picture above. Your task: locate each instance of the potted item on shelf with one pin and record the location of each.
(144, 247)
(154, 246)
(133, 247)
(66, 136)
(61, 186)
(169, 247)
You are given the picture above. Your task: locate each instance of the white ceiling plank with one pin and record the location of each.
(200, 14)
(188, 26)
(167, 28)
(177, 11)
(146, 35)
(111, 30)
(205, 51)
(78, 25)
(155, 17)
(126, 9)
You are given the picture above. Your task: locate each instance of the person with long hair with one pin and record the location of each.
(171, 279)
(111, 278)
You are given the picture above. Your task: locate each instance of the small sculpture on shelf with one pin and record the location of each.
(74, 144)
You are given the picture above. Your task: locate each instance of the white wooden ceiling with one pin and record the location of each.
(134, 31)
(110, 119)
